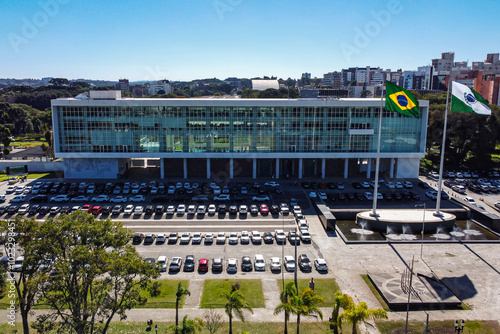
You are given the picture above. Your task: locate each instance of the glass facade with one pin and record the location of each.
(165, 129)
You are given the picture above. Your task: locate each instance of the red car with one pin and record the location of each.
(322, 185)
(203, 265)
(87, 207)
(96, 210)
(264, 208)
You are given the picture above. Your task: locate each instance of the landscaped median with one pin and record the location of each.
(324, 287)
(213, 289)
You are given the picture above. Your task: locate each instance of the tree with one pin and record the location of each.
(188, 326)
(365, 93)
(34, 271)
(236, 302)
(286, 304)
(361, 312)
(307, 304)
(213, 321)
(59, 81)
(96, 273)
(342, 301)
(181, 292)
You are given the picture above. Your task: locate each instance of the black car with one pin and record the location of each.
(138, 238)
(117, 209)
(39, 199)
(406, 195)
(217, 264)
(330, 185)
(159, 209)
(221, 208)
(274, 208)
(305, 185)
(149, 238)
(314, 185)
(44, 210)
(34, 209)
(12, 209)
(67, 209)
(254, 209)
(304, 263)
(106, 210)
(387, 196)
(149, 210)
(233, 209)
(341, 197)
(398, 196)
(189, 263)
(356, 185)
(414, 196)
(349, 196)
(359, 196)
(180, 198)
(268, 238)
(160, 199)
(423, 184)
(246, 263)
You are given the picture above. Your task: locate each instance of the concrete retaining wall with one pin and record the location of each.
(34, 166)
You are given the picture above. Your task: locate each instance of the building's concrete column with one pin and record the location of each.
(185, 163)
(391, 169)
(277, 168)
(369, 168)
(162, 168)
(300, 168)
(323, 167)
(346, 168)
(254, 170)
(208, 168)
(231, 168)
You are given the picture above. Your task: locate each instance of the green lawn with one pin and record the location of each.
(326, 288)
(212, 290)
(27, 143)
(442, 327)
(375, 292)
(166, 299)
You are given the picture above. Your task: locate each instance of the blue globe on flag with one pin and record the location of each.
(470, 98)
(402, 100)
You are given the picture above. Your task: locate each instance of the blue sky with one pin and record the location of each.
(185, 40)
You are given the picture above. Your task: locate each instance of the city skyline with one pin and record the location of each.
(234, 38)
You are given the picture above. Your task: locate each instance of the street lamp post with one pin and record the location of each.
(459, 326)
(423, 228)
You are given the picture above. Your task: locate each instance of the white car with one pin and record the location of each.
(138, 210)
(137, 198)
(212, 209)
(256, 237)
(27, 190)
(233, 238)
(470, 200)
(408, 184)
(91, 188)
(80, 198)
(261, 198)
(289, 263)
(101, 198)
(191, 210)
(222, 198)
(275, 264)
(244, 237)
(18, 199)
(10, 189)
(243, 209)
(23, 209)
(162, 263)
(399, 185)
(390, 185)
(170, 210)
(118, 199)
(19, 190)
(201, 209)
(221, 238)
(185, 238)
(305, 236)
(171, 190)
(322, 196)
(232, 265)
(312, 194)
(128, 209)
(320, 265)
(365, 184)
(181, 209)
(259, 263)
(431, 194)
(196, 238)
(60, 198)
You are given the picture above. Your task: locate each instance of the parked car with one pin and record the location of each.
(268, 237)
(162, 263)
(217, 264)
(175, 264)
(260, 198)
(304, 263)
(189, 263)
(161, 238)
(203, 265)
(246, 263)
(256, 237)
(275, 264)
(209, 238)
(289, 263)
(59, 198)
(232, 265)
(259, 263)
(320, 265)
(196, 239)
(172, 238)
(149, 238)
(221, 238)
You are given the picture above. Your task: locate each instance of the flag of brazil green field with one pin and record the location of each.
(400, 100)
(465, 99)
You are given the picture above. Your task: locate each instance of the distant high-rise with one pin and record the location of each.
(123, 85)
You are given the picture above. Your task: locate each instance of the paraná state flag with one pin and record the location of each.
(465, 99)
(400, 100)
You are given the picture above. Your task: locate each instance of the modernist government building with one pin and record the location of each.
(101, 135)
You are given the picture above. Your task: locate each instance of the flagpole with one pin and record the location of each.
(443, 145)
(377, 165)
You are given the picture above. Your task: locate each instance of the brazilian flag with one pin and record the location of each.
(400, 100)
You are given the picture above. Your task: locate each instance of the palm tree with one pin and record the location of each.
(286, 302)
(342, 301)
(307, 304)
(236, 302)
(188, 326)
(181, 292)
(361, 312)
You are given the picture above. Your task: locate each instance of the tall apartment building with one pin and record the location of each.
(123, 85)
(332, 79)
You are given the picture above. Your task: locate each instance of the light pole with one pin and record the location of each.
(423, 228)
(459, 326)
